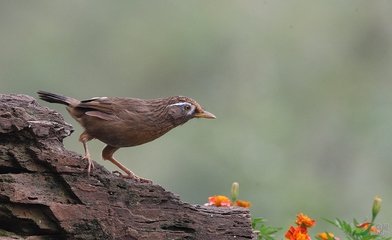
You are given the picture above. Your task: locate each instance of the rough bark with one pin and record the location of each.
(45, 192)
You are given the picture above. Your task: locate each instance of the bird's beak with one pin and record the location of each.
(205, 114)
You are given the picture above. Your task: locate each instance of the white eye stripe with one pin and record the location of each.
(180, 104)
(99, 98)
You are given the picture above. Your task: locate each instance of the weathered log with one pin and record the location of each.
(45, 192)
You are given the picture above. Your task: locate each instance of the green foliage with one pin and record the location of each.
(354, 232)
(264, 232)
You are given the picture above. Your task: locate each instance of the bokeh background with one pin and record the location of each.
(301, 89)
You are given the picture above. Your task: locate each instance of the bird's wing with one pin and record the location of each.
(101, 107)
(101, 115)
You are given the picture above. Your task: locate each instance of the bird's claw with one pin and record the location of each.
(133, 177)
(90, 163)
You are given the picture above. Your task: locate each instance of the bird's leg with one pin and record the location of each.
(84, 138)
(107, 154)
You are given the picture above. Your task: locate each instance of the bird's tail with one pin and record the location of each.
(56, 98)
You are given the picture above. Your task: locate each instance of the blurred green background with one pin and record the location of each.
(301, 89)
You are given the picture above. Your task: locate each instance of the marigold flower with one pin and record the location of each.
(219, 201)
(304, 221)
(325, 236)
(297, 233)
(365, 226)
(242, 203)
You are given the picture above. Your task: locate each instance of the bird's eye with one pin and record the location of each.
(187, 107)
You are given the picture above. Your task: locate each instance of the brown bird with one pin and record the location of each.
(126, 122)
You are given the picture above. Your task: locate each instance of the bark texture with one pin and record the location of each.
(45, 192)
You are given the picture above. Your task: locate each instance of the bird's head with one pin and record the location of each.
(182, 109)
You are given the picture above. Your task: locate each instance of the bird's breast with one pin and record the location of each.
(126, 133)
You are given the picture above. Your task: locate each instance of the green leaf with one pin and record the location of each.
(265, 232)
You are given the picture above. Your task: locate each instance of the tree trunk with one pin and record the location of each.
(45, 192)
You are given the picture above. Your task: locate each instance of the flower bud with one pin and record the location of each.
(376, 207)
(235, 190)
(325, 236)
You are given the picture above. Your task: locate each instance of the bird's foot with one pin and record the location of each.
(90, 163)
(132, 176)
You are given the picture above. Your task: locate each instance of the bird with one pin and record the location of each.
(126, 122)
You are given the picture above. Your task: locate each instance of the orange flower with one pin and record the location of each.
(297, 233)
(219, 201)
(304, 221)
(365, 226)
(326, 235)
(242, 203)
